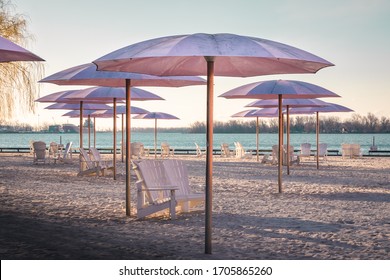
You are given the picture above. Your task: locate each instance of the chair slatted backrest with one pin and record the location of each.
(39, 151)
(323, 149)
(68, 151)
(177, 174)
(346, 150)
(90, 164)
(152, 174)
(305, 149)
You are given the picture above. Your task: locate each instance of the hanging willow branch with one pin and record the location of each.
(18, 80)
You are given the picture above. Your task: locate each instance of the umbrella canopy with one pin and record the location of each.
(109, 93)
(156, 116)
(273, 88)
(210, 54)
(75, 106)
(76, 113)
(329, 108)
(291, 103)
(86, 74)
(234, 55)
(122, 110)
(277, 89)
(10, 51)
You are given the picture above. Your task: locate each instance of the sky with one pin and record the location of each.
(352, 34)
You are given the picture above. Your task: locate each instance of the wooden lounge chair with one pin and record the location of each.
(155, 193)
(166, 150)
(293, 158)
(39, 152)
(89, 166)
(241, 152)
(323, 151)
(305, 151)
(225, 150)
(199, 151)
(356, 151)
(103, 164)
(346, 150)
(273, 157)
(54, 153)
(66, 155)
(177, 174)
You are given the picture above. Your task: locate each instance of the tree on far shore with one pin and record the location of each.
(18, 80)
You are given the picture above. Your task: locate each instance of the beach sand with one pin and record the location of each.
(341, 211)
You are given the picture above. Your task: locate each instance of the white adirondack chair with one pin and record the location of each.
(177, 174)
(103, 164)
(89, 166)
(356, 151)
(346, 150)
(305, 151)
(225, 150)
(166, 150)
(323, 151)
(39, 152)
(155, 193)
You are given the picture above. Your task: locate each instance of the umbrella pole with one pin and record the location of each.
(89, 131)
(288, 140)
(318, 139)
(257, 138)
(81, 133)
(123, 138)
(128, 152)
(209, 152)
(155, 138)
(280, 149)
(114, 141)
(94, 132)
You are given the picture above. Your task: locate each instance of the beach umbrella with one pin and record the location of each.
(10, 51)
(256, 113)
(288, 103)
(279, 89)
(210, 55)
(329, 108)
(86, 74)
(156, 116)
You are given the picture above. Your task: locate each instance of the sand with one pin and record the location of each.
(341, 211)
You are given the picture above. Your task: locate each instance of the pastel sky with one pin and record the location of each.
(352, 34)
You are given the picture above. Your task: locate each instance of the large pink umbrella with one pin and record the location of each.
(86, 74)
(279, 89)
(10, 51)
(210, 54)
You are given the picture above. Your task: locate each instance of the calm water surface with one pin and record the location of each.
(187, 140)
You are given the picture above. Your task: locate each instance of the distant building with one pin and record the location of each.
(70, 128)
(55, 129)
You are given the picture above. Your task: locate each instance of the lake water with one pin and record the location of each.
(187, 140)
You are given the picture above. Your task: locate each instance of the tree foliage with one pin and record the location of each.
(18, 80)
(302, 124)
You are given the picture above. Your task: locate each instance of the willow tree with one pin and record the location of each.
(18, 80)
